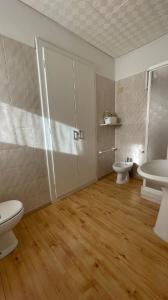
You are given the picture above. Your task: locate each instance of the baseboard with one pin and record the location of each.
(106, 174)
(60, 198)
(151, 194)
(31, 211)
(75, 190)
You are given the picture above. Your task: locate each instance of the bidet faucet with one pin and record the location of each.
(129, 159)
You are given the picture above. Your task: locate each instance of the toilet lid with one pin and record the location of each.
(9, 209)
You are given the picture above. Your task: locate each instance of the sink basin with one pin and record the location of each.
(157, 170)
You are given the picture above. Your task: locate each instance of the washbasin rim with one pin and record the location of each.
(150, 176)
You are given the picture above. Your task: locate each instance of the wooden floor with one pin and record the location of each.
(96, 244)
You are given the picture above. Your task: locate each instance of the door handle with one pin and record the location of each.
(81, 134)
(76, 135)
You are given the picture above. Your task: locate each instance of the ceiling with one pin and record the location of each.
(113, 26)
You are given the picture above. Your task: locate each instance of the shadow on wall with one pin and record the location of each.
(23, 168)
(22, 155)
(23, 172)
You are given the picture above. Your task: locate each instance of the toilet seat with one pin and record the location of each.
(9, 209)
(11, 213)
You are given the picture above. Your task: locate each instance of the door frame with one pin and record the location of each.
(40, 46)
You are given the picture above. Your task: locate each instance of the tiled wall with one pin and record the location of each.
(105, 95)
(131, 105)
(23, 173)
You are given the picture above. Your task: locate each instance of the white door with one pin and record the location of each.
(86, 122)
(61, 102)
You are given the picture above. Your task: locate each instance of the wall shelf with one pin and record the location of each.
(103, 124)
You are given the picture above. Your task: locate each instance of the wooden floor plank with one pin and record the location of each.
(2, 294)
(95, 244)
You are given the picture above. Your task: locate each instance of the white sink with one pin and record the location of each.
(157, 170)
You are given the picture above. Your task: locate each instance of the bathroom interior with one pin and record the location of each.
(83, 149)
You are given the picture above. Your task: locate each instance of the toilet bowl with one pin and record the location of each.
(10, 214)
(122, 168)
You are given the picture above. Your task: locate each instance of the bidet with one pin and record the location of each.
(122, 168)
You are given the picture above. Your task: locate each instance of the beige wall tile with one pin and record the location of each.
(23, 172)
(21, 68)
(131, 105)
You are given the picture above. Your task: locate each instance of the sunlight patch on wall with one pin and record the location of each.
(23, 128)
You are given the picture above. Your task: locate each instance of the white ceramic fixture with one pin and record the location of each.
(157, 170)
(122, 168)
(110, 120)
(10, 214)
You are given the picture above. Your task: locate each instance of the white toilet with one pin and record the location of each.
(10, 214)
(122, 168)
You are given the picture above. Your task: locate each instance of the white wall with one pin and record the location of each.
(142, 58)
(22, 23)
